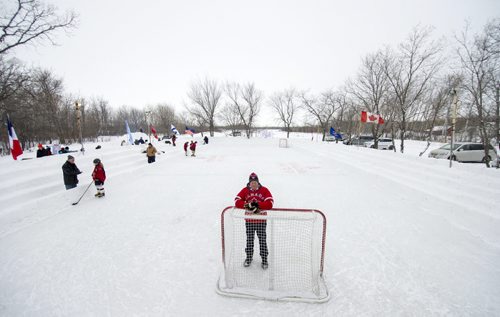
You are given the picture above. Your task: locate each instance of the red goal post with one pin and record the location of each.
(296, 242)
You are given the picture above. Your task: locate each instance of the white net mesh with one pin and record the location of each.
(290, 242)
(283, 143)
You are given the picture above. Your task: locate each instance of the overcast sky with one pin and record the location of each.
(140, 53)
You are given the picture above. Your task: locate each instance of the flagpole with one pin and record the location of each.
(79, 124)
(149, 128)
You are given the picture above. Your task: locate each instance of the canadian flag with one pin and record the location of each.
(15, 146)
(371, 118)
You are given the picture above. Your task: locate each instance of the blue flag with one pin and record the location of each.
(332, 131)
(130, 138)
(174, 130)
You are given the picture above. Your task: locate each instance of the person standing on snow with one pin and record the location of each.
(255, 198)
(173, 139)
(205, 140)
(192, 147)
(70, 172)
(99, 176)
(186, 148)
(151, 153)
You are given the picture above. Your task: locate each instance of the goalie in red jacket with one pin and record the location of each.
(255, 198)
(99, 176)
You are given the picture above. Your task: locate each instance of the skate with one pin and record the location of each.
(264, 264)
(247, 262)
(97, 194)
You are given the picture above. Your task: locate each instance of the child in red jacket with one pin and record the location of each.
(192, 147)
(99, 176)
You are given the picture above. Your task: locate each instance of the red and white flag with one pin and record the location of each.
(15, 146)
(371, 118)
(153, 130)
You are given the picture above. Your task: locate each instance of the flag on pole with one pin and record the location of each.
(15, 146)
(173, 129)
(153, 130)
(189, 131)
(332, 131)
(369, 117)
(130, 138)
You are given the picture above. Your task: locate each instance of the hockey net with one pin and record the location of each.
(295, 240)
(283, 143)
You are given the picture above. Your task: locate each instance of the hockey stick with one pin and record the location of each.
(82, 194)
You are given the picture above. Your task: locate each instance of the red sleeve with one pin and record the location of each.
(239, 200)
(268, 199)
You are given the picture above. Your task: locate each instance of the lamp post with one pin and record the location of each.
(79, 123)
(453, 123)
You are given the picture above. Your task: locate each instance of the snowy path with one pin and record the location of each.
(406, 235)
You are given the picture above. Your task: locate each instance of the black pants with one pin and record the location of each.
(260, 228)
(151, 159)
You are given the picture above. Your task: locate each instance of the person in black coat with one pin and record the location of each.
(70, 172)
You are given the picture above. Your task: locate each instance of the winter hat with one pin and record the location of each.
(253, 177)
(97, 161)
(70, 157)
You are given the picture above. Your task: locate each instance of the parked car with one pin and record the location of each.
(331, 138)
(359, 141)
(464, 152)
(383, 144)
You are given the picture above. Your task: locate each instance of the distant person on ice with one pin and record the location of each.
(70, 172)
(205, 140)
(254, 198)
(173, 139)
(186, 148)
(192, 147)
(99, 176)
(151, 153)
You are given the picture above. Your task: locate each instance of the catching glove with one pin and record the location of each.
(254, 207)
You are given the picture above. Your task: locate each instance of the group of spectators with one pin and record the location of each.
(47, 151)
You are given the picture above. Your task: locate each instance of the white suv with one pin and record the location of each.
(464, 152)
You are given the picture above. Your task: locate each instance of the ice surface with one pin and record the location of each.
(406, 234)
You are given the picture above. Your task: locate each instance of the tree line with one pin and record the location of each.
(411, 85)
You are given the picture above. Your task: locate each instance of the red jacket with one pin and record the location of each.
(262, 195)
(192, 146)
(99, 173)
(186, 146)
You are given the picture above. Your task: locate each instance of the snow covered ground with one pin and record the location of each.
(406, 235)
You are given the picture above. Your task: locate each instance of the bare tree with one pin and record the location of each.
(286, 105)
(163, 117)
(479, 57)
(246, 102)
(230, 117)
(205, 97)
(25, 21)
(439, 99)
(409, 72)
(322, 108)
(371, 89)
